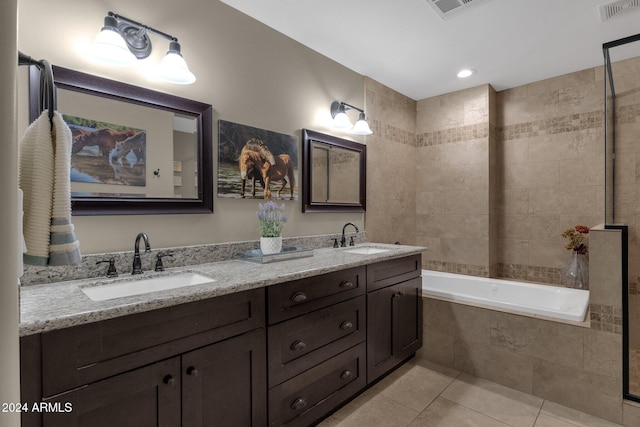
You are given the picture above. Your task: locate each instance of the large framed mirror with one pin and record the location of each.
(334, 177)
(134, 150)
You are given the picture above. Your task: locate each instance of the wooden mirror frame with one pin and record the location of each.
(97, 86)
(308, 205)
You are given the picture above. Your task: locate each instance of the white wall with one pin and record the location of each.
(250, 73)
(9, 361)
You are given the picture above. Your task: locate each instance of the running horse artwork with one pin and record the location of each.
(255, 157)
(106, 153)
(256, 162)
(251, 161)
(104, 139)
(135, 144)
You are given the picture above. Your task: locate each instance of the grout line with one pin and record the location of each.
(478, 412)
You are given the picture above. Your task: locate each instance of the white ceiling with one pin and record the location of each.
(405, 45)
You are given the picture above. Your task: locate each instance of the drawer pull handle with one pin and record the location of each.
(298, 345)
(169, 380)
(298, 404)
(346, 375)
(346, 284)
(192, 371)
(346, 325)
(298, 297)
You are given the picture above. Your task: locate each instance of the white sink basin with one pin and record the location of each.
(366, 250)
(143, 286)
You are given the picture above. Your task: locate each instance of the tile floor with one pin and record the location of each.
(421, 394)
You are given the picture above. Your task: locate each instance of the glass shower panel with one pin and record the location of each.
(622, 187)
(609, 147)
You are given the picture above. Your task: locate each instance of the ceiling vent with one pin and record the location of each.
(446, 8)
(609, 10)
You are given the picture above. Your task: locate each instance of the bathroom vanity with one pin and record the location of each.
(262, 345)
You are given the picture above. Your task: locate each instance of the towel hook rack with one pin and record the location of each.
(48, 99)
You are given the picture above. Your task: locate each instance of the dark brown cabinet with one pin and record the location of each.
(394, 314)
(184, 365)
(148, 396)
(224, 384)
(316, 345)
(285, 355)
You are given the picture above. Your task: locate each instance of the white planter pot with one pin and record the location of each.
(270, 245)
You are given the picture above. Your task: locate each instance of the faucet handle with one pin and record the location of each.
(159, 265)
(351, 241)
(335, 242)
(111, 271)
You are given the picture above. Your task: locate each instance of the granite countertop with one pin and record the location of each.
(63, 304)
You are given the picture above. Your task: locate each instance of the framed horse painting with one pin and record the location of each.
(256, 163)
(105, 153)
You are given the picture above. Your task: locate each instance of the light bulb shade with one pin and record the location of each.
(341, 121)
(173, 67)
(361, 127)
(110, 47)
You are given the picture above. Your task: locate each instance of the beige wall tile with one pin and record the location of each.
(437, 347)
(461, 322)
(568, 385)
(542, 339)
(603, 353)
(494, 364)
(511, 251)
(630, 414)
(465, 251)
(604, 267)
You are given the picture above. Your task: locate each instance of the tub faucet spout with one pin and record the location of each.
(343, 240)
(137, 263)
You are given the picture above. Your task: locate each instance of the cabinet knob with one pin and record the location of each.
(192, 371)
(298, 404)
(169, 380)
(346, 375)
(346, 325)
(298, 297)
(298, 345)
(346, 284)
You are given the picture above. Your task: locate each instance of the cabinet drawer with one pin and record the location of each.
(314, 393)
(298, 344)
(298, 297)
(394, 271)
(80, 355)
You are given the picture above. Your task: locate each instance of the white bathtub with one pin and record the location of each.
(531, 298)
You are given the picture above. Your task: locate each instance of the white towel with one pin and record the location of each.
(45, 163)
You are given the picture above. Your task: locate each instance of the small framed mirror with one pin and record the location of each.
(134, 150)
(334, 177)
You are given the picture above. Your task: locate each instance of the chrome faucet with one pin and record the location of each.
(137, 263)
(343, 241)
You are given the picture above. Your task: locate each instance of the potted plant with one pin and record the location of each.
(272, 219)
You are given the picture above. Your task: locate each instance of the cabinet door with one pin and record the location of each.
(145, 397)
(380, 332)
(224, 384)
(394, 326)
(408, 322)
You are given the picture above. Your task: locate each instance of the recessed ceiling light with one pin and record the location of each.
(467, 72)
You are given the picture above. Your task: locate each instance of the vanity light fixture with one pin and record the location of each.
(341, 120)
(122, 40)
